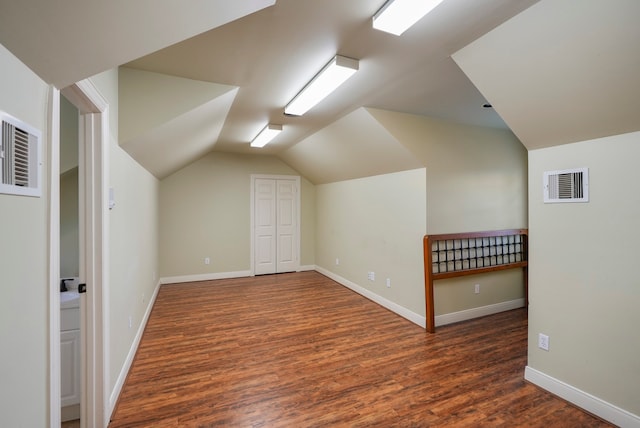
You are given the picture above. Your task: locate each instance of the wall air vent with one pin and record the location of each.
(20, 152)
(569, 185)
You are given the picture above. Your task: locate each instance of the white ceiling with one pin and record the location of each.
(271, 54)
(366, 148)
(561, 71)
(217, 71)
(67, 41)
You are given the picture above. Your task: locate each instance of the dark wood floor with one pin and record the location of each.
(299, 350)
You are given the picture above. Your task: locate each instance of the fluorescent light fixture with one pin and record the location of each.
(396, 16)
(267, 134)
(334, 74)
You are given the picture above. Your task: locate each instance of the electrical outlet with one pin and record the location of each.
(371, 276)
(388, 282)
(477, 288)
(337, 261)
(207, 261)
(543, 341)
(130, 321)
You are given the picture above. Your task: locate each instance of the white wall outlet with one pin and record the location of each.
(130, 321)
(207, 261)
(543, 341)
(371, 276)
(388, 282)
(337, 261)
(477, 288)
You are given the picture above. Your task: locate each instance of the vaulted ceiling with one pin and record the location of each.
(207, 75)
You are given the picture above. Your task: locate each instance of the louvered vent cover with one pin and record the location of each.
(569, 185)
(19, 158)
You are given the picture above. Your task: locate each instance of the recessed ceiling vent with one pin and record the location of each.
(568, 185)
(19, 157)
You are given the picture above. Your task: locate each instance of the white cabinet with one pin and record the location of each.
(70, 357)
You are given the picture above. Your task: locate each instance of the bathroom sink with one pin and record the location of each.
(69, 299)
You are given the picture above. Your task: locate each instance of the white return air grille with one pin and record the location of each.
(569, 185)
(19, 157)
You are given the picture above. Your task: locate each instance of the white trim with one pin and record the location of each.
(481, 311)
(86, 97)
(94, 150)
(94, 142)
(584, 400)
(306, 268)
(117, 389)
(53, 161)
(204, 277)
(253, 178)
(392, 306)
(417, 318)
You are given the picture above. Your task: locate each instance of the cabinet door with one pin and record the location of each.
(70, 367)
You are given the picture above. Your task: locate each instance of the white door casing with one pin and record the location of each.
(275, 224)
(93, 145)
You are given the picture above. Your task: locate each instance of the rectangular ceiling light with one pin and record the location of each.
(396, 16)
(267, 134)
(334, 74)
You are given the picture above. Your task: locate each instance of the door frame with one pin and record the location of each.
(253, 178)
(93, 167)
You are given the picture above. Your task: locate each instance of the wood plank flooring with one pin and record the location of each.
(299, 350)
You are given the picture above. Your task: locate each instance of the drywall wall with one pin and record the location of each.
(205, 212)
(24, 306)
(68, 135)
(375, 224)
(69, 226)
(584, 287)
(133, 241)
(476, 180)
(69, 219)
(133, 252)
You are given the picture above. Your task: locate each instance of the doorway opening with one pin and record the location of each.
(93, 137)
(70, 335)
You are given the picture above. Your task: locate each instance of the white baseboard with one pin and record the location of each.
(482, 311)
(306, 268)
(115, 393)
(419, 319)
(204, 277)
(586, 401)
(70, 413)
(393, 307)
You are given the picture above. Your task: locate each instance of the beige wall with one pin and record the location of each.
(69, 226)
(476, 180)
(24, 305)
(68, 135)
(133, 252)
(133, 239)
(375, 224)
(584, 286)
(204, 212)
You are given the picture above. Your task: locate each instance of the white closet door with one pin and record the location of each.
(286, 230)
(265, 226)
(276, 240)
